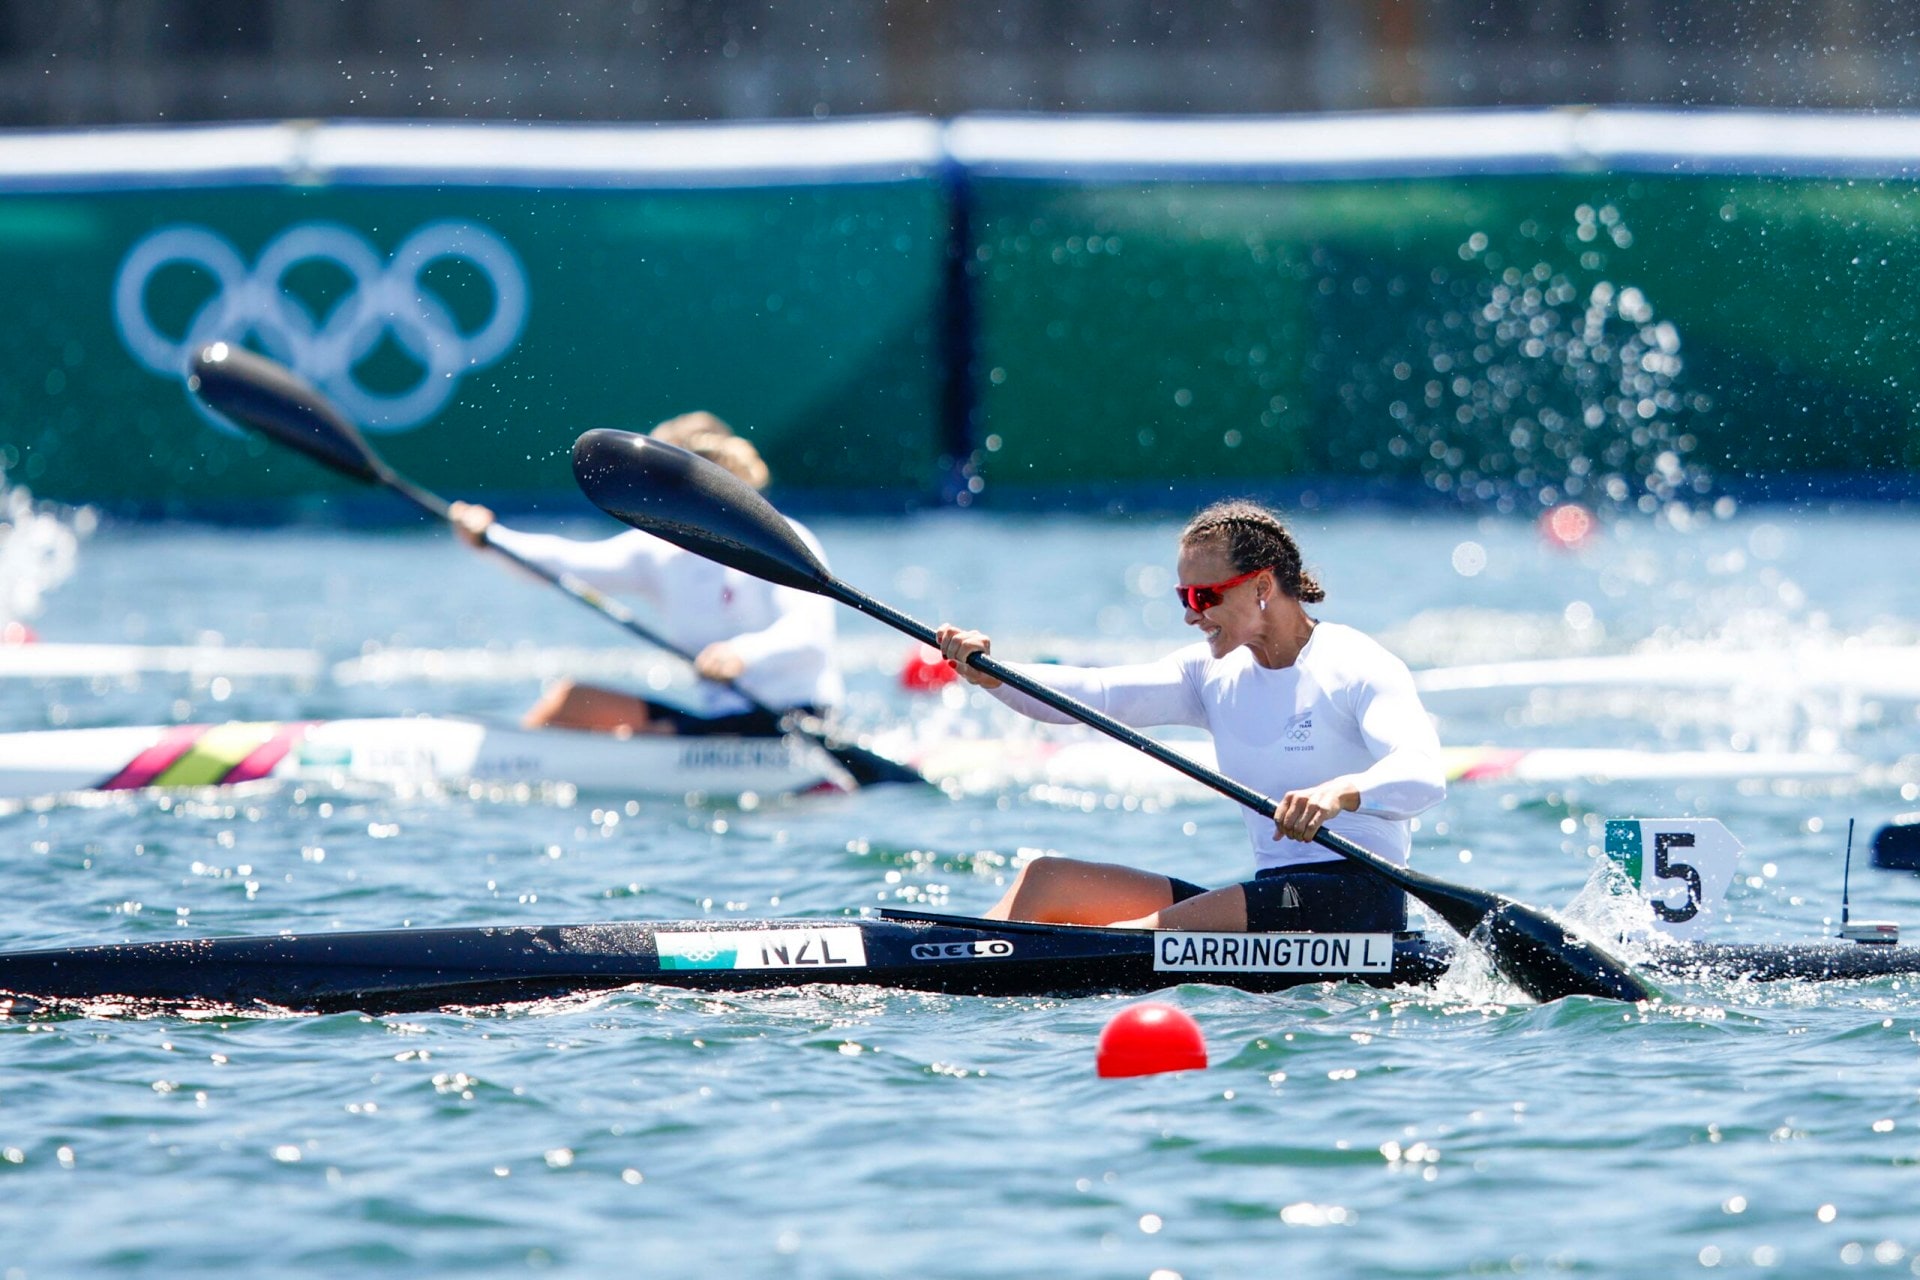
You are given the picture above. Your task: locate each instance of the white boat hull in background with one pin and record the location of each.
(1884, 671)
(1877, 671)
(1080, 763)
(442, 752)
(42, 661)
(410, 753)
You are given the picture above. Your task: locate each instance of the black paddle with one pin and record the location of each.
(1896, 846)
(696, 505)
(279, 404)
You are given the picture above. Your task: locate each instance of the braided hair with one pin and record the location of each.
(1255, 538)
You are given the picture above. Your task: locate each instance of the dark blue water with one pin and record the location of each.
(1339, 1131)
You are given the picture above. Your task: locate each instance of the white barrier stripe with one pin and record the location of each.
(1547, 140)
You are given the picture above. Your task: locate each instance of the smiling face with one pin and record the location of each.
(1236, 620)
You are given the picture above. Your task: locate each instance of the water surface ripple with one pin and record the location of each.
(1340, 1132)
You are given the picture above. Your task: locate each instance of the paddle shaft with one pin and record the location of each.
(1264, 805)
(275, 401)
(866, 767)
(1532, 950)
(434, 505)
(702, 508)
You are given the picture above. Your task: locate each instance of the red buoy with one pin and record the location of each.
(1568, 526)
(17, 633)
(926, 669)
(1146, 1039)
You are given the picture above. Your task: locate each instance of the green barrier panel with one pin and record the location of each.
(1554, 309)
(473, 332)
(1147, 331)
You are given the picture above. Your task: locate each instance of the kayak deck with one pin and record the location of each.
(415, 969)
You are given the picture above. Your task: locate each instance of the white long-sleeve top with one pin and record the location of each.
(785, 636)
(1346, 707)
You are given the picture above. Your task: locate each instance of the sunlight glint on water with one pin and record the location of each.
(1340, 1131)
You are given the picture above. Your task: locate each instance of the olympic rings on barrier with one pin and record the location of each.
(387, 298)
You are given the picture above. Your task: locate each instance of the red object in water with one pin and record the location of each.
(926, 669)
(1146, 1039)
(1568, 525)
(17, 633)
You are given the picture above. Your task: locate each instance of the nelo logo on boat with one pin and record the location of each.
(987, 949)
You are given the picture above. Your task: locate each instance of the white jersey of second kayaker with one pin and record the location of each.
(785, 636)
(1345, 707)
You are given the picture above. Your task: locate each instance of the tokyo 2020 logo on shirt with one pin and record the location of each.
(385, 298)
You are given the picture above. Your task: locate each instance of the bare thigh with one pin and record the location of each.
(1069, 891)
(1221, 910)
(567, 705)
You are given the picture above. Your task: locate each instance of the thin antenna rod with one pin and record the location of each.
(1846, 874)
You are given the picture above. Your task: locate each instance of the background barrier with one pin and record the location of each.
(1512, 307)
(1509, 306)
(476, 297)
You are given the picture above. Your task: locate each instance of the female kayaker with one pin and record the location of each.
(774, 642)
(1313, 712)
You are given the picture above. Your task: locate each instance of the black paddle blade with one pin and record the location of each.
(272, 399)
(1547, 962)
(1896, 846)
(700, 507)
(866, 768)
(1529, 949)
(693, 504)
(1461, 906)
(870, 768)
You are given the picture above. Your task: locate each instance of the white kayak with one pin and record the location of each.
(1631, 764)
(1087, 764)
(409, 753)
(42, 661)
(439, 752)
(1880, 671)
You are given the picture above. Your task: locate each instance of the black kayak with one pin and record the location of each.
(395, 971)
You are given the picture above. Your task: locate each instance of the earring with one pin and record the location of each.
(1263, 604)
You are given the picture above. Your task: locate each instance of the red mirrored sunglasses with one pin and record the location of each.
(1203, 596)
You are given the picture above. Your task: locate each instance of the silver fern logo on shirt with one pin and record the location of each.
(1298, 735)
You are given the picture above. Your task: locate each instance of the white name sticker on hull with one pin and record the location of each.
(726, 755)
(1273, 952)
(830, 948)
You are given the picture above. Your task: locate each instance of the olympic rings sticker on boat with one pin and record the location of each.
(833, 947)
(386, 298)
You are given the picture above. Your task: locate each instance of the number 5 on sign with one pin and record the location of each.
(1680, 866)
